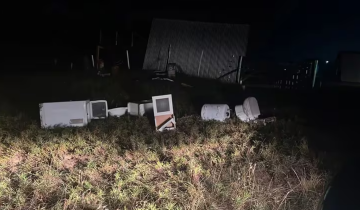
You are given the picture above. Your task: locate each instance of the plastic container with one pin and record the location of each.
(239, 111)
(218, 112)
(117, 112)
(251, 108)
(140, 108)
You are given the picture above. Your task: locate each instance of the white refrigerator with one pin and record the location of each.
(71, 113)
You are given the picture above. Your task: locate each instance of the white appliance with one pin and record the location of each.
(239, 111)
(117, 112)
(163, 112)
(72, 113)
(219, 112)
(251, 108)
(140, 108)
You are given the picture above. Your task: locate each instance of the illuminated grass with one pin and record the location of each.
(123, 164)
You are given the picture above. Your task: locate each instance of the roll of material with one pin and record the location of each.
(218, 112)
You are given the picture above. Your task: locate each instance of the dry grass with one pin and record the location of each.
(123, 164)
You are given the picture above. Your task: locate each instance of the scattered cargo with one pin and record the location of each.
(117, 112)
(80, 113)
(164, 112)
(249, 110)
(239, 111)
(71, 113)
(218, 112)
(140, 108)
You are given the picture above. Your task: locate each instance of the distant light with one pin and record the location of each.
(326, 61)
(284, 69)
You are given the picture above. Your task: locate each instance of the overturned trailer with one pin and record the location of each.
(206, 50)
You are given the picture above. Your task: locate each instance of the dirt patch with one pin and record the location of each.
(70, 161)
(94, 177)
(82, 158)
(52, 182)
(14, 161)
(109, 168)
(99, 151)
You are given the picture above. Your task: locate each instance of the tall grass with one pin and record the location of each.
(122, 163)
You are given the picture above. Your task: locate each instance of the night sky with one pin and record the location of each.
(279, 30)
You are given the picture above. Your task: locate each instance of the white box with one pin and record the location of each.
(140, 108)
(71, 113)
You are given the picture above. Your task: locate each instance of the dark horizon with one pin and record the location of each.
(280, 30)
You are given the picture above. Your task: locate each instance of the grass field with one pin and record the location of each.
(122, 163)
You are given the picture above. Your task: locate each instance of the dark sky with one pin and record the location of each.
(283, 29)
